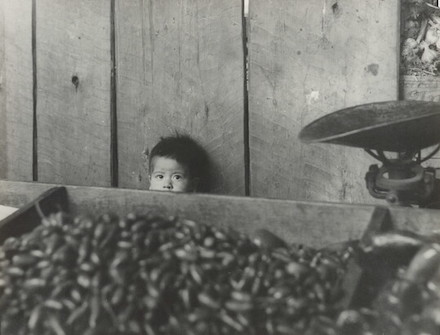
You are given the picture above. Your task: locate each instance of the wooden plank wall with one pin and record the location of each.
(73, 98)
(16, 85)
(307, 59)
(180, 69)
(180, 66)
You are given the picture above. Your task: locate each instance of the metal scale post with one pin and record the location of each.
(395, 133)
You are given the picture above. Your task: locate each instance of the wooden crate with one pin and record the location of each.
(312, 224)
(315, 224)
(27, 217)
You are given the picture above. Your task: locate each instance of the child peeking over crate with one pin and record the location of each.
(179, 164)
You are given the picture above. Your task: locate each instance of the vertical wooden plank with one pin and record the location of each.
(16, 109)
(180, 68)
(418, 81)
(425, 88)
(73, 68)
(308, 59)
(3, 147)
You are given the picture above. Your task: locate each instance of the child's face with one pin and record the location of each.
(169, 175)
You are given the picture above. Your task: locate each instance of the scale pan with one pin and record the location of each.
(398, 126)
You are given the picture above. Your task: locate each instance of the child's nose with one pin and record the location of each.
(168, 184)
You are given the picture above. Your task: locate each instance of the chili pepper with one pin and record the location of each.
(207, 300)
(15, 271)
(34, 318)
(424, 264)
(401, 245)
(34, 283)
(55, 325)
(231, 322)
(175, 275)
(24, 260)
(76, 314)
(53, 304)
(95, 308)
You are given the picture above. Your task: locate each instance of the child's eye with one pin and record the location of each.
(177, 177)
(158, 176)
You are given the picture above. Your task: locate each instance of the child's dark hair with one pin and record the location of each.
(189, 153)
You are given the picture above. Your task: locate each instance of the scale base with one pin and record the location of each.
(403, 127)
(403, 185)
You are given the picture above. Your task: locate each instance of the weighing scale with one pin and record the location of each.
(395, 133)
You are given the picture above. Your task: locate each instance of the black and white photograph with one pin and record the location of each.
(219, 167)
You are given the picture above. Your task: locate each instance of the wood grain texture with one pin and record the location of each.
(28, 217)
(16, 102)
(180, 68)
(73, 40)
(308, 59)
(314, 224)
(311, 223)
(425, 88)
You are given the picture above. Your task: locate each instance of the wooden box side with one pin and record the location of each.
(310, 223)
(314, 224)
